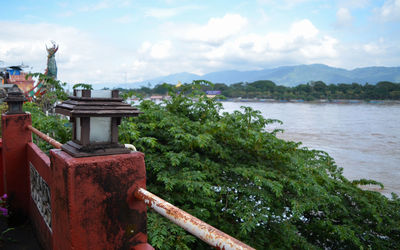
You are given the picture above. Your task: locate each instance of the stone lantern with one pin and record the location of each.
(95, 116)
(15, 98)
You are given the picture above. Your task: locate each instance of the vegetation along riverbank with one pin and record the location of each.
(317, 91)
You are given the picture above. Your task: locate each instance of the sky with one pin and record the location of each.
(124, 41)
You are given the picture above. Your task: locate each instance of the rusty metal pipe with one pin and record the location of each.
(45, 137)
(198, 228)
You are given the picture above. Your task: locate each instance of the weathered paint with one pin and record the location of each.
(89, 199)
(15, 165)
(45, 137)
(200, 229)
(88, 195)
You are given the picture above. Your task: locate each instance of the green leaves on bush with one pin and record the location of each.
(228, 171)
(53, 125)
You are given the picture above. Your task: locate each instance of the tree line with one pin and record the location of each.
(265, 89)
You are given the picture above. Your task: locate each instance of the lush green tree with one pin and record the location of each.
(84, 86)
(161, 89)
(318, 86)
(395, 95)
(227, 170)
(53, 125)
(264, 85)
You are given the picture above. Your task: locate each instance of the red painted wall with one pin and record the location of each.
(15, 166)
(90, 208)
(90, 201)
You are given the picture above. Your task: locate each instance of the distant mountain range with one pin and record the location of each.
(285, 75)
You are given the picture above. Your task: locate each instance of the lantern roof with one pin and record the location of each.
(87, 106)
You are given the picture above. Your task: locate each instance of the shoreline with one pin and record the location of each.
(320, 101)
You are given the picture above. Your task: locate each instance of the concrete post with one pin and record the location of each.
(90, 204)
(15, 137)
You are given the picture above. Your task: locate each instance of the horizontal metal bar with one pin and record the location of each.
(193, 225)
(45, 137)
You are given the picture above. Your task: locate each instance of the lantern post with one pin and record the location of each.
(95, 116)
(15, 98)
(93, 178)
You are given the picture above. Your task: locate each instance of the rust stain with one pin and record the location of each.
(45, 137)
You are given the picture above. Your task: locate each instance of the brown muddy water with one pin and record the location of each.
(364, 139)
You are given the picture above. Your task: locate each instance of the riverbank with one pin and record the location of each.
(364, 139)
(338, 101)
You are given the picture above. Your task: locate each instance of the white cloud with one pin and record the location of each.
(80, 58)
(343, 18)
(303, 29)
(378, 52)
(375, 48)
(390, 11)
(218, 46)
(264, 17)
(161, 50)
(216, 30)
(145, 47)
(221, 43)
(243, 50)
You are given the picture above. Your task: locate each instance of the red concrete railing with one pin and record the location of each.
(1, 167)
(64, 197)
(16, 182)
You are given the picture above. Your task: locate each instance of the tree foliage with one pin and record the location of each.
(83, 86)
(53, 125)
(227, 170)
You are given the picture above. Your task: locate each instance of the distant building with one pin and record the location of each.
(213, 92)
(15, 75)
(156, 97)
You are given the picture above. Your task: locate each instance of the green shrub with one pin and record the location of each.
(227, 170)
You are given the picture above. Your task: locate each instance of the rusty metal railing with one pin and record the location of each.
(45, 137)
(193, 225)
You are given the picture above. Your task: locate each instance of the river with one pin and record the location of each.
(364, 139)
